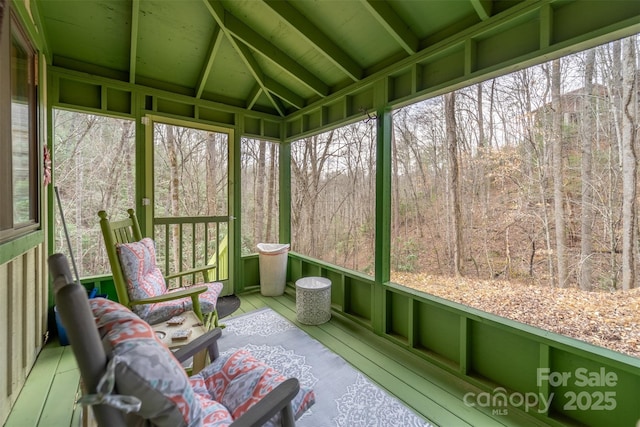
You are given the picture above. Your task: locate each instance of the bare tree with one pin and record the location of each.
(587, 173)
(629, 161)
(171, 145)
(259, 193)
(558, 180)
(454, 182)
(271, 205)
(212, 172)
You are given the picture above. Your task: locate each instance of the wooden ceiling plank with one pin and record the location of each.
(317, 38)
(483, 8)
(254, 40)
(216, 40)
(393, 24)
(133, 52)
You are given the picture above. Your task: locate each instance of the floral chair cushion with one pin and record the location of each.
(239, 381)
(138, 262)
(161, 311)
(144, 280)
(145, 367)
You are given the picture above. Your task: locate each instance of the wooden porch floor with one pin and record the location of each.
(430, 391)
(51, 389)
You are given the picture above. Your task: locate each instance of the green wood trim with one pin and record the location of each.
(561, 342)
(144, 168)
(143, 91)
(412, 328)
(546, 26)
(383, 199)
(465, 346)
(383, 213)
(145, 173)
(214, 46)
(26, 20)
(204, 270)
(234, 242)
(544, 363)
(189, 220)
(48, 195)
(18, 246)
(187, 292)
(329, 267)
(133, 51)
(284, 192)
(471, 56)
(110, 239)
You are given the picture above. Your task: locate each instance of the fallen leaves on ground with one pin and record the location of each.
(606, 319)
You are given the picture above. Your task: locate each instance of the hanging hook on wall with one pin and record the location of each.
(368, 114)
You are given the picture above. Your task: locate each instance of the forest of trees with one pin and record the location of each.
(531, 176)
(94, 169)
(333, 196)
(528, 176)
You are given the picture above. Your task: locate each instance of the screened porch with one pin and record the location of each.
(326, 125)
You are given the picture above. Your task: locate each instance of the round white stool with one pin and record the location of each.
(313, 300)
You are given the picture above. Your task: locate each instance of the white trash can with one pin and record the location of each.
(273, 268)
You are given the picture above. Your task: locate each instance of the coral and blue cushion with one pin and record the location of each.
(239, 381)
(145, 280)
(138, 262)
(147, 369)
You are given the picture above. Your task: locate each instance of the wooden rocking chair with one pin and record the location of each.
(141, 286)
(114, 349)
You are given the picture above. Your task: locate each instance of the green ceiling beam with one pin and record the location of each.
(546, 26)
(284, 93)
(133, 53)
(217, 11)
(317, 38)
(253, 96)
(254, 40)
(393, 24)
(483, 8)
(216, 40)
(256, 71)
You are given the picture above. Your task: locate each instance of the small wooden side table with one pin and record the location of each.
(164, 332)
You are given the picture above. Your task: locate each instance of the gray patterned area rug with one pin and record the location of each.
(344, 396)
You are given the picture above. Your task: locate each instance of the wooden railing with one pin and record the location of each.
(184, 243)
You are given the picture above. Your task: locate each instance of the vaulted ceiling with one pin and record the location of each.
(280, 56)
(273, 56)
